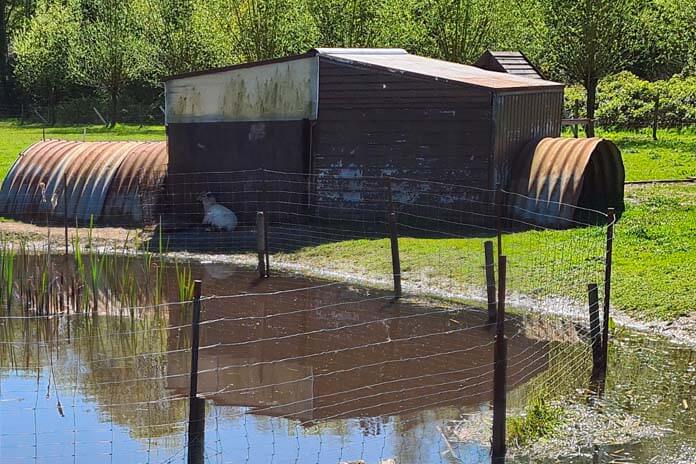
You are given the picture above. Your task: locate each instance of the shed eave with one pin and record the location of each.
(233, 67)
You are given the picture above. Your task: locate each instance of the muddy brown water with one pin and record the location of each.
(294, 370)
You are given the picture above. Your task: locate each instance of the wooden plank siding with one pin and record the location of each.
(375, 123)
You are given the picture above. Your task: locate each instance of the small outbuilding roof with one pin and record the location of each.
(400, 61)
(515, 63)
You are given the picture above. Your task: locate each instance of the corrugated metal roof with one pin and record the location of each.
(104, 180)
(398, 60)
(554, 177)
(508, 62)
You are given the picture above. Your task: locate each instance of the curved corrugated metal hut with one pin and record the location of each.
(106, 181)
(557, 180)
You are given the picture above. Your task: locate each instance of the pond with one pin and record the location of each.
(293, 370)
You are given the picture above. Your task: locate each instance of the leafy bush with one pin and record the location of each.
(678, 101)
(624, 101)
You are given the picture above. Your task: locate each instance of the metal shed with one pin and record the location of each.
(352, 113)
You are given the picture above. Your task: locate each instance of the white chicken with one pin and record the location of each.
(217, 215)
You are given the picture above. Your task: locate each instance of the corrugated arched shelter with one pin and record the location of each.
(559, 179)
(106, 181)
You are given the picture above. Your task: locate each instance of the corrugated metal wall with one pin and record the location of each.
(519, 119)
(379, 123)
(105, 181)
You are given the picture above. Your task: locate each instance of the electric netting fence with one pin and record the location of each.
(465, 291)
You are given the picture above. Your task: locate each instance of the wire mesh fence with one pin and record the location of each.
(96, 345)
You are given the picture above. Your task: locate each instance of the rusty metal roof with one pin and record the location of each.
(104, 180)
(555, 178)
(399, 60)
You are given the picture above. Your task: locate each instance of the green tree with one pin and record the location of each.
(111, 51)
(461, 29)
(266, 29)
(188, 35)
(666, 38)
(12, 15)
(42, 50)
(590, 39)
(352, 23)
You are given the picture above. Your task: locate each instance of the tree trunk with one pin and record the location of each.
(591, 87)
(113, 110)
(4, 91)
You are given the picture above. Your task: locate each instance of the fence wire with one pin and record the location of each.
(96, 345)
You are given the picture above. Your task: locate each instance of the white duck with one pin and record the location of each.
(217, 215)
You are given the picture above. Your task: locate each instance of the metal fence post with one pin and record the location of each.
(261, 242)
(595, 334)
(611, 219)
(499, 219)
(498, 449)
(396, 260)
(490, 280)
(196, 424)
(656, 116)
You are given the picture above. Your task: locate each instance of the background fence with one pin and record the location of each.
(97, 347)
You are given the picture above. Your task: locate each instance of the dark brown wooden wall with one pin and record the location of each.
(378, 122)
(203, 156)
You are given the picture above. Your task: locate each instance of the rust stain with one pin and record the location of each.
(104, 180)
(556, 176)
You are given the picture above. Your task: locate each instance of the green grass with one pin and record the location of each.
(654, 265)
(672, 156)
(14, 138)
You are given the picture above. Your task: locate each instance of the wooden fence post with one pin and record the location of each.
(595, 334)
(196, 424)
(576, 115)
(656, 116)
(500, 371)
(611, 218)
(490, 280)
(499, 219)
(261, 242)
(396, 260)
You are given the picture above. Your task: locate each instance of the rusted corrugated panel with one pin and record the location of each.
(557, 175)
(87, 169)
(143, 169)
(21, 189)
(521, 118)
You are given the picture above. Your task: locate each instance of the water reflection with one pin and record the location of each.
(326, 374)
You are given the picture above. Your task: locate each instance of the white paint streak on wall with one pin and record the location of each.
(283, 91)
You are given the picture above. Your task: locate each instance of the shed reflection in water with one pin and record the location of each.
(327, 374)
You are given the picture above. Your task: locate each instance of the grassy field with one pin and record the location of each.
(673, 156)
(654, 251)
(15, 138)
(654, 264)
